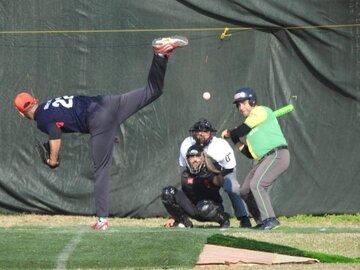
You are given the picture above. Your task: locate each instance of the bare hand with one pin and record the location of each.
(169, 223)
(225, 134)
(52, 164)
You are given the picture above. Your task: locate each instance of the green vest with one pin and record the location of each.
(266, 135)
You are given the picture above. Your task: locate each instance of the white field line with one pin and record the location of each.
(68, 249)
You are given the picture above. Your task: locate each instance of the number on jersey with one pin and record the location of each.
(65, 101)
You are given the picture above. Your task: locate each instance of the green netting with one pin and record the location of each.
(302, 52)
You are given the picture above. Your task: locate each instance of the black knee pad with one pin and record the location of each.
(173, 208)
(168, 195)
(207, 210)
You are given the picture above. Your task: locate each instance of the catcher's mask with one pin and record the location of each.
(205, 126)
(195, 159)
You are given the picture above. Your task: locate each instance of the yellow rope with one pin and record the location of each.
(34, 32)
(114, 31)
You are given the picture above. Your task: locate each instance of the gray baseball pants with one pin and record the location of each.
(256, 186)
(104, 118)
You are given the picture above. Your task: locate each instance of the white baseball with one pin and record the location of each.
(206, 95)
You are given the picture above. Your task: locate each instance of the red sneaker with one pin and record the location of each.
(165, 46)
(100, 225)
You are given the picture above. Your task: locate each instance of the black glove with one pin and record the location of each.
(43, 150)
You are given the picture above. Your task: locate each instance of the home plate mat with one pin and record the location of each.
(219, 255)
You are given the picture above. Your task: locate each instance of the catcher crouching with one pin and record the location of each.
(199, 196)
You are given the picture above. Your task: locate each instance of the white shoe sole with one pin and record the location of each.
(179, 41)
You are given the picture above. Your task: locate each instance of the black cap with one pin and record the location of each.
(194, 150)
(202, 125)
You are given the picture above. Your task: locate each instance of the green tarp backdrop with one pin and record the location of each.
(302, 52)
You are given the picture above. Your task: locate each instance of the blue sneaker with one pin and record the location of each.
(270, 223)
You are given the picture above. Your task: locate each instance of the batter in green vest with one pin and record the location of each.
(264, 142)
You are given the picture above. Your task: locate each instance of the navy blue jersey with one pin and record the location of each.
(67, 114)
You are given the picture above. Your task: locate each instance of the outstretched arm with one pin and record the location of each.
(55, 145)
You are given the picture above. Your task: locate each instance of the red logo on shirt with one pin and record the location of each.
(190, 181)
(59, 124)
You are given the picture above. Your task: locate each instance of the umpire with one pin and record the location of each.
(265, 143)
(99, 116)
(202, 134)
